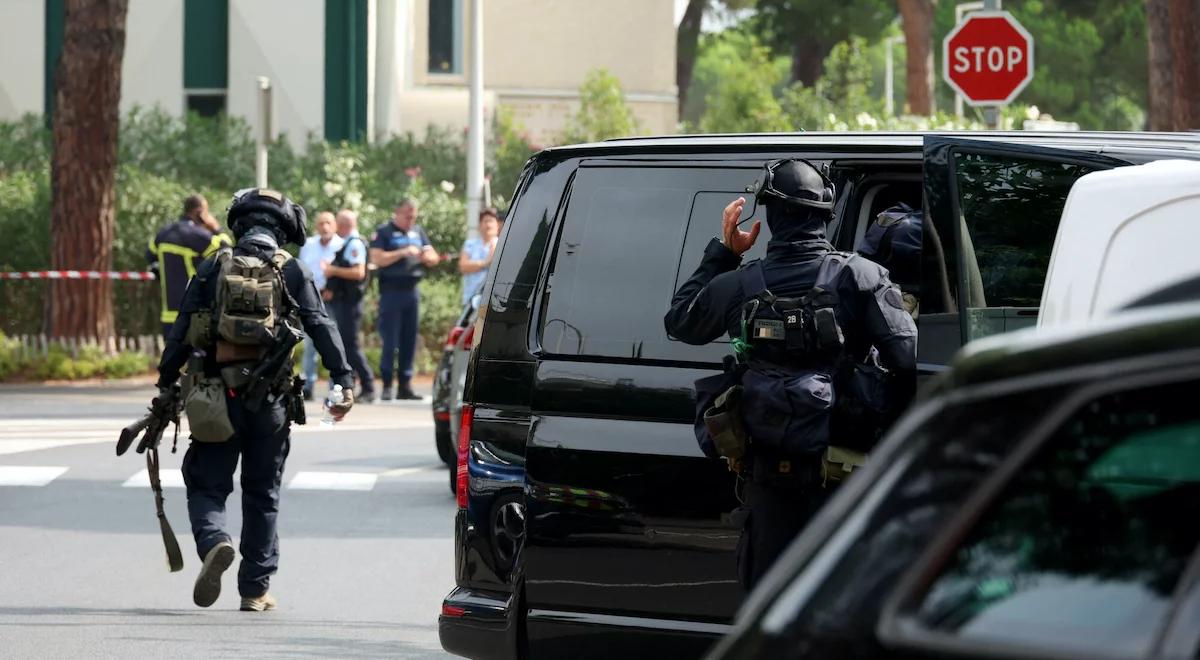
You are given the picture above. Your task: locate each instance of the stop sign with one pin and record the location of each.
(988, 58)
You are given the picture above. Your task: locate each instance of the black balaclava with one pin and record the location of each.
(792, 222)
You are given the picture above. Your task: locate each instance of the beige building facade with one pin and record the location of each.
(536, 54)
(362, 69)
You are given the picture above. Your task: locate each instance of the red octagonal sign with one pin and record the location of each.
(988, 58)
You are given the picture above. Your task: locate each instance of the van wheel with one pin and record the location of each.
(453, 480)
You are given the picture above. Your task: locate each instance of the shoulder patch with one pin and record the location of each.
(894, 298)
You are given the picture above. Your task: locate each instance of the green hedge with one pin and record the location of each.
(164, 158)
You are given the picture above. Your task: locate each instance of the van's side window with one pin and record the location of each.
(626, 239)
(1010, 208)
(1089, 536)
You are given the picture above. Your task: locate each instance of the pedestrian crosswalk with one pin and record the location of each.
(26, 438)
(44, 475)
(29, 475)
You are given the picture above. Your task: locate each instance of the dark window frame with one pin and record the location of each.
(898, 624)
(939, 154)
(544, 291)
(457, 47)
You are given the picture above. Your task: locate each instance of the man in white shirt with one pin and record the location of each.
(317, 253)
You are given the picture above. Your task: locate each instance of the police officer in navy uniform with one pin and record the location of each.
(782, 492)
(262, 221)
(177, 250)
(402, 252)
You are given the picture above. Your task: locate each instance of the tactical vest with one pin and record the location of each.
(345, 290)
(792, 348)
(251, 297)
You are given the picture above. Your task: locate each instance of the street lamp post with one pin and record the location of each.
(475, 121)
(889, 86)
(265, 130)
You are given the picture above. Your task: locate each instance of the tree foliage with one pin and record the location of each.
(602, 113)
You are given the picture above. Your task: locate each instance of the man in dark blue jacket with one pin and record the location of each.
(401, 251)
(783, 492)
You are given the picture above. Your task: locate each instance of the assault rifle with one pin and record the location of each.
(164, 410)
(274, 367)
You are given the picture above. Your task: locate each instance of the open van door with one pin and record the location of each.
(992, 209)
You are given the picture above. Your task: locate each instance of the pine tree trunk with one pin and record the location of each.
(917, 16)
(87, 91)
(808, 60)
(1185, 60)
(1160, 81)
(686, 40)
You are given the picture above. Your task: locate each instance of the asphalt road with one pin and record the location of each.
(366, 537)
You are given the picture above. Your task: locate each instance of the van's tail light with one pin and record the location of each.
(455, 333)
(469, 338)
(464, 441)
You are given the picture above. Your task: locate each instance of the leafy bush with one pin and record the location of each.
(59, 364)
(602, 113)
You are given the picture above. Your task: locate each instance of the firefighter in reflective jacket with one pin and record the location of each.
(784, 485)
(176, 251)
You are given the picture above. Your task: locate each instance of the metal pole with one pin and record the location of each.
(889, 93)
(960, 11)
(992, 115)
(264, 133)
(475, 121)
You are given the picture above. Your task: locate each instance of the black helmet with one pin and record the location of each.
(795, 182)
(253, 207)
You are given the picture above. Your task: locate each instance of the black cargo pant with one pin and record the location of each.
(348, 317)
(262, 440)
(777, 506)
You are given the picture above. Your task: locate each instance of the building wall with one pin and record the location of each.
(22, 49)
(283, 40)
(152, 69)
(539, 51)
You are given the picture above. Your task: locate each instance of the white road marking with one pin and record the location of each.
(405, 471)
(333, 481)
(29, 475)
(169, 479)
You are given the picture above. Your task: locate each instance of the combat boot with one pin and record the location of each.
(262, 603)
(208, 583)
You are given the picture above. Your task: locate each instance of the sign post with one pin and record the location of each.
(988, 58)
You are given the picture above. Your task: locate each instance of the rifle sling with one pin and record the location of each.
(174, 555)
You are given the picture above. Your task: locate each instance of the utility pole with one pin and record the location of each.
(265, 130)
(475, 129)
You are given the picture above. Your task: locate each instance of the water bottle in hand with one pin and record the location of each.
(335, 398)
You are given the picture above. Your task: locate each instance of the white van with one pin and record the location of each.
(1125, 233)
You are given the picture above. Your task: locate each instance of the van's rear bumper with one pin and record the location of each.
(479, 624)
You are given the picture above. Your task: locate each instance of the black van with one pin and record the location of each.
(589, 523)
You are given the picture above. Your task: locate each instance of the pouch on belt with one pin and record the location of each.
(207, 414)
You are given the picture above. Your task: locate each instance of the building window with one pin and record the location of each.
(445, 36)
(206, 105)
(205, 55)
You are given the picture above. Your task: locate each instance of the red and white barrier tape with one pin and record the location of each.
(76, 275)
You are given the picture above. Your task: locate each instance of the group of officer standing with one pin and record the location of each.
(341, 263)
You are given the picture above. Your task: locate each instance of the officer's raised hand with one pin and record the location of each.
(735, 239)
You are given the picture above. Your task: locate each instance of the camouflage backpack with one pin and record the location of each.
(251, 297)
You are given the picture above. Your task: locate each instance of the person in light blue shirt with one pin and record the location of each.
(318, 251)
(476, 253)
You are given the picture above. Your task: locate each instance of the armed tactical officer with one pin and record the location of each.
(240, 319)
(807, 323)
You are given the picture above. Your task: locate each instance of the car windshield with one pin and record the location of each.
(1086, 545)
